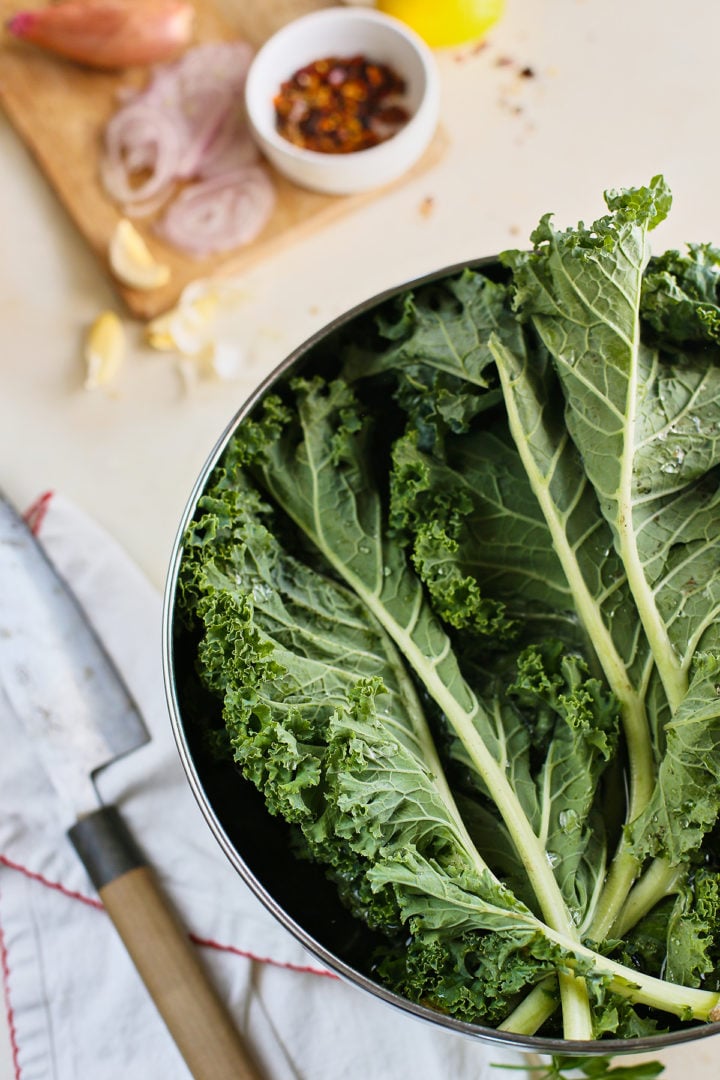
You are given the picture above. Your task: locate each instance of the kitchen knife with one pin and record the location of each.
(65, 690)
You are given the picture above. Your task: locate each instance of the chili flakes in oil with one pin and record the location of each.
(338, 105)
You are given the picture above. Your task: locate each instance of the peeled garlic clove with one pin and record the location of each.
(104, 350)
(158, 334)
(131, 261)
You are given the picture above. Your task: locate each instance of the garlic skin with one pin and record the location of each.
(104, 350)
(108, 34)
(203, 329)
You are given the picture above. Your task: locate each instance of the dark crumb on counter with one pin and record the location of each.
(524, 72)
(511, 106)
(427, 206)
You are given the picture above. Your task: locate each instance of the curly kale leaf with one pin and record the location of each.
(433, 342)
(681, 297)
(535, 556)
(320, 461)
(693, 952)
(475, 977)
(322, 717)
(638, 420)
(685, 803)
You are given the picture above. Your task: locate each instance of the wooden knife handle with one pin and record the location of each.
(161, 950)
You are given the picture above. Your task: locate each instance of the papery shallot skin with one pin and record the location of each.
(108, 34)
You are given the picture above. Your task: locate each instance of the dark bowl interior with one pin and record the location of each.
(258, 845)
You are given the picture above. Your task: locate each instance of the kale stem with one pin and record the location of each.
(623, 871)
(658, 881)
(576, 1006)
(577, 1019)
(532, 1012)
(540, 468)
(669, 666)
(682, 1001)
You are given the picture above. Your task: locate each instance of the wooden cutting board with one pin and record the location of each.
(60, 110)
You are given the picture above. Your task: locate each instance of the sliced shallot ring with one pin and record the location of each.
(141, 138)
(221, 213)
(204, 116)
(189, 124)
(232, 148)
(208, 85)
(214, 63)
(140, 210)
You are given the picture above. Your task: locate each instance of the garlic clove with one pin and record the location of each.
(186, 327)
(158, 334)
(197, 328)
(131, 260)
(104, 350)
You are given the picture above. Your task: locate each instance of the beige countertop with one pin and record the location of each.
(617, 92)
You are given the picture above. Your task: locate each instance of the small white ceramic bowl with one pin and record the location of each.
(344, 32)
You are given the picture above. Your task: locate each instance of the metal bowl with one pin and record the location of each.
(296, 892)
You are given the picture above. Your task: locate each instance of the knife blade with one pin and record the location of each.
(65, 690)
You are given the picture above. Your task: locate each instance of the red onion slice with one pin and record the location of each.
(189, 124)
(220, 213)
(143, 148)
(204, 116)
(209, 81)
(218, 63)
(231, 147)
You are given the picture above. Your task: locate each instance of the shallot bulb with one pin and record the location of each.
(108, 34)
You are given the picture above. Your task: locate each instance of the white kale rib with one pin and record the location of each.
(639, 420)
(591, 328)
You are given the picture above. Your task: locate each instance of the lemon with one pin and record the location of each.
(450, 22)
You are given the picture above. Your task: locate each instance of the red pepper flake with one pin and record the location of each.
(473, 50)
(337, 105)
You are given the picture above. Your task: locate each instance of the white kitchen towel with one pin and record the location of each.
(76, 1007)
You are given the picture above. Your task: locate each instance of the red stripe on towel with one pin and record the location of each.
(5, 972)
(305, 969)
(207, 943)
(36, 514)
(91, 901)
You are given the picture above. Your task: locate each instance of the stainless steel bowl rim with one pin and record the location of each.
(527, 1043)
